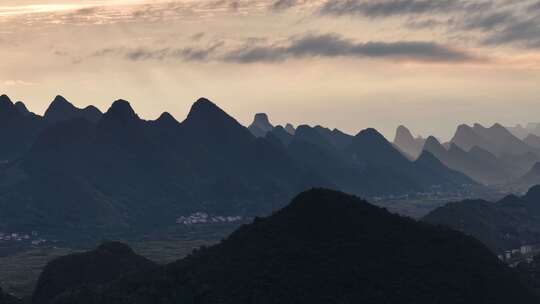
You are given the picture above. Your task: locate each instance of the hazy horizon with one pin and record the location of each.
(429, 65)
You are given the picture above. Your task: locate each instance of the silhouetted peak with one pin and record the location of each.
(303, 128)
(7, 108)
(21, 107)
(59, 109)
(260, 125)
(206, 121)
(371, 135)
(463, 128)
(290, 129)
(5, 99)
(122, 110)
(465, 135)
(60, 100)
(309, 133)
(500, 130)
(92, 109)
(261, 118)
(203, 105)
(402, 133)
(166, 119)
(204, 109)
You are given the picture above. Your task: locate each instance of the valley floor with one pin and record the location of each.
(19, 269)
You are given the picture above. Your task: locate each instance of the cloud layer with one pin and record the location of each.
(333, 45)
(299, 47)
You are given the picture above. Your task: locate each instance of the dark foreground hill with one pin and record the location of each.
(326, 247)
(91, 269)
(506, 224)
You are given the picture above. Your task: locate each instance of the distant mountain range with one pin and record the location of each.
(325, 247)
(495, 139)
(362, 164)
(119, 173)
(523, 131)
(491, 156)
(506, 224)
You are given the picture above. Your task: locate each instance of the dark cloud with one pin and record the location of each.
(332, 45)
(488, 21)
(525, 33)
(280, 5)
(186, 54)
(148, 53)
(307, 46)
(386, 8)
(430, 23)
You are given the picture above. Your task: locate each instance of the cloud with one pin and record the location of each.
(333, 45)
(487, 21)
(299, 47)
(283, 4)
(111, 12)
(429, 23)
(185, 54)
(387, 8)
(146, 53)
(525, 33)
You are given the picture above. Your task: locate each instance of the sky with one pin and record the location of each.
(347, 64)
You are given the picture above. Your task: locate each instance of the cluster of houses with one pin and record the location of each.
(204, 218)
(22, 237)
(525, 253)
